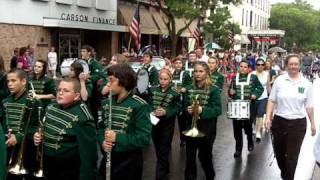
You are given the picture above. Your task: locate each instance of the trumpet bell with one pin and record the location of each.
(193, 132)
(18, 170)
(38, 174)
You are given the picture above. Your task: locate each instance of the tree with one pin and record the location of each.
(187, 10)
(219, 26)
(300, 22)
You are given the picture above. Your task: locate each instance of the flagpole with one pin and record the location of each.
(129, 43)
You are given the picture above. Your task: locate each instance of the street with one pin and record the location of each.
(257, 165)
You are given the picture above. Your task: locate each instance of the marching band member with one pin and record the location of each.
(15, 111)
(181, 79)
(130, 125)
(261, 102)
(165, 102)
(189, 64)
(244, 86)
(86, 85)
(217, 78)
(2, 155)
(69, 136)
(209, 110)
(291, 99)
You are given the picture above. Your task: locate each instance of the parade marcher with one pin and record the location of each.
(130, 124)
(86, 86)
(68, 136)
(15, 113)
(290, 97)
(209, 101)
(165, 102)
(3, 94)
(261, 102)
(217, 78)
(14, 59)
(52, 62)
(244, 86)
(189, 64)
(181, 79)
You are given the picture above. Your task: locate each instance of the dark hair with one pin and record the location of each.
(177, 59)
(74, 81)
(127, 77)
(2, 68)
(20, 73)
(22, 51)
(192, 52)
(88, 48)
(245, 61)
(260, 60)
(77, 69)
(148, 53)
(44, 67)
(286, 61)
(208, 82)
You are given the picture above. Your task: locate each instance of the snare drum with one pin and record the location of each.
(238, 109)
(65, 68)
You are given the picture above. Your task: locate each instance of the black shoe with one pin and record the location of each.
(237, 154)
(250, 147)
(258, 140)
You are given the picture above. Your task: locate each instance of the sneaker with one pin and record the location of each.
(250, 147)
(237, 154)
(258, 140)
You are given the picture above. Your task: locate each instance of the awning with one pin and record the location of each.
(242, 39)
(148, 25)
(53, 22)
(159, 19)
(180, 23)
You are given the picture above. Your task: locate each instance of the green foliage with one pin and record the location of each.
(300, 22)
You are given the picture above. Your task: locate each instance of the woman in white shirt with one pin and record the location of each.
(52, 62)
(261, 103)
(290, 97)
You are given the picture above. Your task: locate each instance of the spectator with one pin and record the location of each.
(14, 59)
(52, 62)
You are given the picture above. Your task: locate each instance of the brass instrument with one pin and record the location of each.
(18, 168)
(39, 172)
(108, 154)
(193, 131)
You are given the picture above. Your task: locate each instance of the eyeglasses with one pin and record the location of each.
(260, 64)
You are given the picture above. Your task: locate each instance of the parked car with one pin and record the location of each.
(157, 61)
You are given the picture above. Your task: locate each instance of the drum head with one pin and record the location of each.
(142, 80)
(84, 65)
(65, 66)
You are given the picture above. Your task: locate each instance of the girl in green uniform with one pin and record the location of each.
(216, 77)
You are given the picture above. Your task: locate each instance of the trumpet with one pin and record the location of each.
(193, 131)
(39, 172)
(108, 154)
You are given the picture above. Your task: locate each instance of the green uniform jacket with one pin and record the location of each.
(153, 75)
(130, 120)
(43, 85)
(4, 92)
(210, 101)
(217, 79)
(95, 70)
(254, 88)
(169, 100)
(186, 79)
(15, 114)
(70, 132)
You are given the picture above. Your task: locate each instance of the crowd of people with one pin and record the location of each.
(55, 123)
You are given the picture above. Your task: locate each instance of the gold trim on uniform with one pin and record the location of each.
(139, 99)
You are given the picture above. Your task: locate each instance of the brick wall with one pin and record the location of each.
(12, 36)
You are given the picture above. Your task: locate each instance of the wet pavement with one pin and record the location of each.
(257, 165)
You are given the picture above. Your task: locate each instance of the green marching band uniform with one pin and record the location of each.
(162, 132)
(189, 67)
(153, 75)
(69, 143)
(15, 113)
(3, 93)
(217, 80)
(131, 122)
(210, 101)
(181, 79)
(251, 86)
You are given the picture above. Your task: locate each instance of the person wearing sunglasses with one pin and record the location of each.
(261, 102)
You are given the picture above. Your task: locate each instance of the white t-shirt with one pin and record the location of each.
(52, 60)
(203, 58)
(263, 78)
(291, 97)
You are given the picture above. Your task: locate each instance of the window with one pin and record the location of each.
(251, 18)
(246, 17)
(242, 17)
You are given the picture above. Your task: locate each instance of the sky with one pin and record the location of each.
(314, 3)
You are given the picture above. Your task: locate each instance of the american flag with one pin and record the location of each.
(196, 33)
(135, 28)
(231, 36)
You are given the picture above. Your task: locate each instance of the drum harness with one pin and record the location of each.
(242, 84)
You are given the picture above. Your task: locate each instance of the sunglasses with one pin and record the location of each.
(260, 64)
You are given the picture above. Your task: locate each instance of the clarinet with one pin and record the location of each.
(108, 154)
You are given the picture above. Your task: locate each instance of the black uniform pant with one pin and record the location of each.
(66, 168)
(237, 132)
(28, 160)
(287, 140)
(162, 135)
(204, 146)
(182, 126)
(124, 165)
